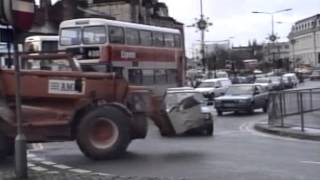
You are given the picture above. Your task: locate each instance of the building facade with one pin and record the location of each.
(277, 54)
(305, 41)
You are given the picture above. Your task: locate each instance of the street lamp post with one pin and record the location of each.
(272, 36)
(202, 24)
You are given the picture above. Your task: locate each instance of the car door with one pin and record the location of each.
(186, 115)
(260, 97)
(219, 89)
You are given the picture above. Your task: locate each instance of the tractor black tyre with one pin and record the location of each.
(104, 133)
(209, 130)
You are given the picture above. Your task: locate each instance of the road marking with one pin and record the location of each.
(102, 174)
(39, 169)
(53, 172)
(310, 162)
(31, 165)
(60, 166)
(80, 171)
(249, 127)
(36, 159)
(31, 155)
(49, 163)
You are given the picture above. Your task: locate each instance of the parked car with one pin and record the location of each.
(276, 83)
(212, 88)
(240, 80)
(265, 82)
(187, 111)
(244, 97)
(315, 75)
(290, 80)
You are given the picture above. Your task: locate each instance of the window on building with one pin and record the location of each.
(132, 37)
(116, 35)
(169, 40)
(158, 39)
(146, 38)
(94, 35)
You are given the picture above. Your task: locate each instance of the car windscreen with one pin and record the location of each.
(207, 85)
(240, 90)
(70, 36)
(174, 99)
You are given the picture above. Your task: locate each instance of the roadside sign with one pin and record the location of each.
(18, 13)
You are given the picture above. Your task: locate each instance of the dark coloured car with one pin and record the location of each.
(244, 97)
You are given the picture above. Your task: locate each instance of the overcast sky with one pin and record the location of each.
(234, 18)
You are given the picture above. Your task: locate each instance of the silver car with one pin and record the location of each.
(187, 112)
(244, 97)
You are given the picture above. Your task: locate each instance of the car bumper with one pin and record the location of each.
(236, 107)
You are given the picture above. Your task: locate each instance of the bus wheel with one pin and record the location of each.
(104, 133)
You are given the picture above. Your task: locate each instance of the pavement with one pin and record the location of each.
(287, 131)
(55, 175)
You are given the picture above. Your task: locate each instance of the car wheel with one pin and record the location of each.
(208, 131)
(265, 109)
(104, 133)
(220, 113)
(250, 111)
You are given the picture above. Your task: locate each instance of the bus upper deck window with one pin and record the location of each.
(132, 37)
(116, 35)
(169, 40)
(70, 36)
(146, 38)
(94, 35)
(158, 39)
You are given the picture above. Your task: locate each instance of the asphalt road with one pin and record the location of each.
(236, 151)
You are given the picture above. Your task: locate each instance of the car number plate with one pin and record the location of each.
(228, 105)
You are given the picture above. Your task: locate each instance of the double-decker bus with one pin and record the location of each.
(144, 55)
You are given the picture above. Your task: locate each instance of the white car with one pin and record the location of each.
(212, 88)
(290, 80)
(266, 83)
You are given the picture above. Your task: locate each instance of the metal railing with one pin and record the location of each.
(294, 108)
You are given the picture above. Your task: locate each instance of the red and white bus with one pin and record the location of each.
(144, 55)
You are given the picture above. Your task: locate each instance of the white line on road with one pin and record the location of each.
(80, 171)
(249, 127)
(310, 162)
(59, 166)
(36, 159)
(39, 169)
(31, 165)
(49, 163)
